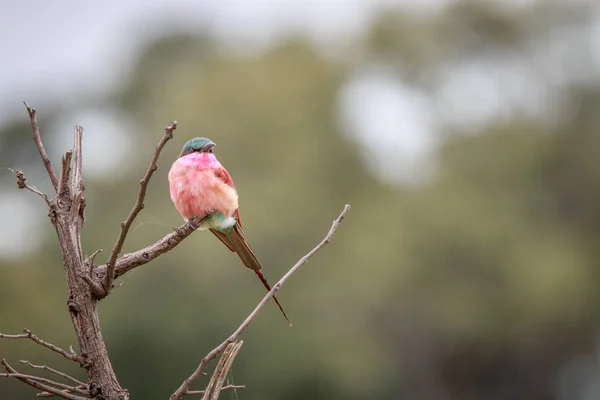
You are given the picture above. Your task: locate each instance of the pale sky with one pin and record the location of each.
(68, 48)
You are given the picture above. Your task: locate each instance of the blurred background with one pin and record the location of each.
(464, 134)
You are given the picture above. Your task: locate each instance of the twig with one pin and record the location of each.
(47, 368)
(213, 390)
(180, 392)
(44, 384)
(43, 380)
(29, 335)
(38, 142)
(90, 261)
(48, 394)
(139, 205)
(132, 260)
(195, 392)
(22, 184)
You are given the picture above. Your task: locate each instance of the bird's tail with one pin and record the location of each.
(236, 241)
(266, 284)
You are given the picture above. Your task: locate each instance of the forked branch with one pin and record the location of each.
(69, 355)
(138, 206)
(22, 184)
(183, 389)
(215, 386)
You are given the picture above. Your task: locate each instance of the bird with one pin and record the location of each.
(200, 186)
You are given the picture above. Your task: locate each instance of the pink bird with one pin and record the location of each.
(201, 187)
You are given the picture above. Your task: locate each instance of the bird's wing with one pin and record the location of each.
(236, 241)
(223, 238)
(223, 175)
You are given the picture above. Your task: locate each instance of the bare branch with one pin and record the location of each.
(180, 392)
(194, 392)
(54, 371)
(132, 260)
(139, 205)
(38, 142)
(22, 184)
(213, 390)
(45, 384)
(48, 394)
(29, 335)
(43, 380)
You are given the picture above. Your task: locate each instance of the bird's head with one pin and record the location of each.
(197, 145)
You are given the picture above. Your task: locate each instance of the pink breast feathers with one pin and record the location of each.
(196, 190)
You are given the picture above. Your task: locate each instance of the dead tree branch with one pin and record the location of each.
(138, 206)
(47, 368)
(182, 390)
(22, 184)
(45, 381)
(66, 214)
(215, 385)
(130, 261)
(69, 355)
(40, 146)
(58, 389)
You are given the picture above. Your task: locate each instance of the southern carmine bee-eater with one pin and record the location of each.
(201, 187)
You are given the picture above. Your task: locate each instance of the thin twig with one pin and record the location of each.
(139, 205)
(90, 261)
(180, 392)
(227, 387)
(54, 371)
(44, 384)
(132, 260)
(29, 335)
(48, 394)
(213, 389)
(22, 184)
(43, 380)
(38, 142)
